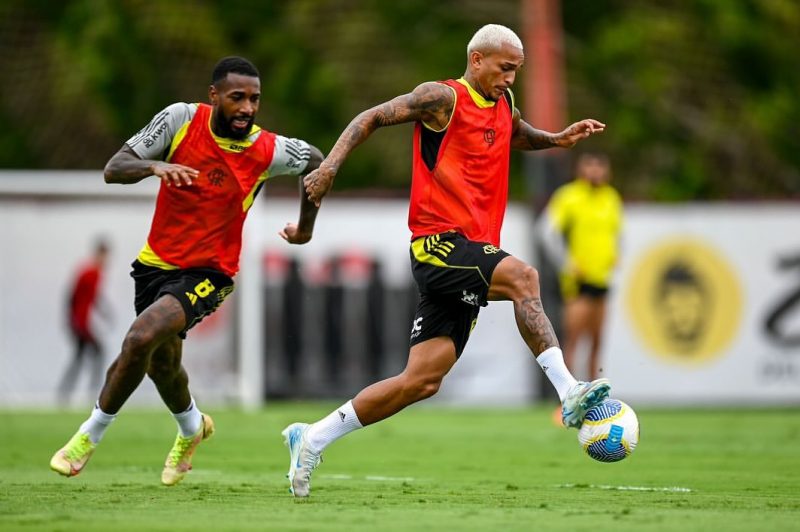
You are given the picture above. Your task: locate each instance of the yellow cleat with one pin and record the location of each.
(179, 459)
(70, 459)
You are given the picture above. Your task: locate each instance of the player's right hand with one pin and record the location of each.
(175, 174)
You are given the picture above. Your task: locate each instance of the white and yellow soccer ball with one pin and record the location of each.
(610, 431)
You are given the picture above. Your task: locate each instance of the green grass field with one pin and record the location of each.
(428, 468)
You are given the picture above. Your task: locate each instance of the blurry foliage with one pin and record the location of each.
(700, 97)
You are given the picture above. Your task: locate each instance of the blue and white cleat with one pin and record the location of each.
(580, 398)
(303, 459)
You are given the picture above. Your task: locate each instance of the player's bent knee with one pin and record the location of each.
(137, 343)
(429, 389)
(423, 388)
(514, 280)
(530, 275)
(526, 283)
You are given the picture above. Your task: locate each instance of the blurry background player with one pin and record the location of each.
(464, 132)
(85, 298)
(581, 229)
(212, 161)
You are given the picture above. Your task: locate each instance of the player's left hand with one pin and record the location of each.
(292, 234)
(318, 183)
(579, 131)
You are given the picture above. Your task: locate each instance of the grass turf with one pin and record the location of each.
(429, 467)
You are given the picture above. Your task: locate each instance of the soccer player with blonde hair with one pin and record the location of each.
(464, 132)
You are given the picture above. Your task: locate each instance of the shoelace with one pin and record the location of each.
(179, 449)
(310, 462)
(79, 450)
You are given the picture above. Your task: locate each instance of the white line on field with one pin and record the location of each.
(674, 489)
(377, 478)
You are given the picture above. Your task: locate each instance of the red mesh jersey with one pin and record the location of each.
(201, 225)
(466, 189)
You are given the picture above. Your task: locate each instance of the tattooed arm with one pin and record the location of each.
(527, 137)
(431, 103)
(126, 167)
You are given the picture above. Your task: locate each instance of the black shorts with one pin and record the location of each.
(453, 275)
(200, 290)
(592, 291)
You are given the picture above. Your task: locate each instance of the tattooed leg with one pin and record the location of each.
(534, 325)
(514, 280)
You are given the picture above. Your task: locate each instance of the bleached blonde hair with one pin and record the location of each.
(492, 37)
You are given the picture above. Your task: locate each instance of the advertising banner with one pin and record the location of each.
(706, 306)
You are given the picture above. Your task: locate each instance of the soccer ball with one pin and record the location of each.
(610, 431)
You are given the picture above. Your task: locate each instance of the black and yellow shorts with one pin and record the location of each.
(572, 288)
(592, 291)
(199, 290)
(453, 275)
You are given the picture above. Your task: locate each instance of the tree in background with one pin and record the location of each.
(699, 96)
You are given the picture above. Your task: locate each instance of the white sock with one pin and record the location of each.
(97, 424)
(341, 421)
(189, 420)
(552, 363)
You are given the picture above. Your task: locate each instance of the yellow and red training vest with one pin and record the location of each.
(466, 190)
(200, 226)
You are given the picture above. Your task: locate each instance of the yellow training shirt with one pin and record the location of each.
(590, 219)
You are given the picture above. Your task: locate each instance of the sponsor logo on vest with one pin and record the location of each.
(488, 136)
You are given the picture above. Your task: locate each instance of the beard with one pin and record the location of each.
(225, 128)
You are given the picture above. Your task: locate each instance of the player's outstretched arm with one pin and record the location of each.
(430, 102)
(527, 137)
(127, 167)
(301, 232)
